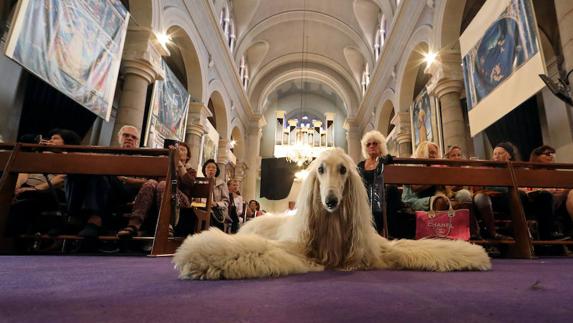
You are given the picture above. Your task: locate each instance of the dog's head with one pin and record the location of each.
(332, 169)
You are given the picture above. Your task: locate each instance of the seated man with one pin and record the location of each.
(94, 197)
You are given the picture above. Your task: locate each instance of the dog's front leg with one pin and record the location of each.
(216, 255)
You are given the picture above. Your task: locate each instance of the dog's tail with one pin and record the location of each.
(216, 255)
(435, 255)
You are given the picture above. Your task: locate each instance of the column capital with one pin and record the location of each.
(447, 74)
(142, 54)
(351, 125)
(223, 151)
(198, 114)
(196, 130)
(256, 124)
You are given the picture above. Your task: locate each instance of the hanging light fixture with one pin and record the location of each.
(301, 151)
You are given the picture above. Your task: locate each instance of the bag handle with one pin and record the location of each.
(432, 212)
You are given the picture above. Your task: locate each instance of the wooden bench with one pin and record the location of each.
(540, 175)
(468, 173)
(31, 158)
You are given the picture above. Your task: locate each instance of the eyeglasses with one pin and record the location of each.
(371, 144)
(548, 154)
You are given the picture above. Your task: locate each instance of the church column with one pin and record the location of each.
(404, 135)
(141, 66)
(223, 157)
(253, 157)
(353, 136)
(198, 114)
(447, 85)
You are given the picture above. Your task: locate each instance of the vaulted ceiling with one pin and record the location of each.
(338, 43)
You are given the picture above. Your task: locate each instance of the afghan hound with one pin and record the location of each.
(332, 229)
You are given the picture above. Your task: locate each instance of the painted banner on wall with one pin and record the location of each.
(501, 63)
(424, 117)
(76, 46)
(168, 111)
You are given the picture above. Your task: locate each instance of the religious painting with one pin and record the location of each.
(422, 114)
(505, 46)
(75, 46)
(209, 145)
(168, 112)
(500, 49)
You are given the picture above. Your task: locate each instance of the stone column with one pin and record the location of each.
(447, 85)
(198, 114)
(404, 134)
(353, 136)
(253, 157)
(141, 66)
(223, 157)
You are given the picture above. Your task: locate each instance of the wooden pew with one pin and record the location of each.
(32, 158)
(468, 173)
(541, 175)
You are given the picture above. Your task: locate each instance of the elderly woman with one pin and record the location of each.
(562, 199)
(220, 194)
(418, 197)
(491, 198)
(375, 153)
(236, 207)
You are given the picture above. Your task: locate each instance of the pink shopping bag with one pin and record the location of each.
(450, 224)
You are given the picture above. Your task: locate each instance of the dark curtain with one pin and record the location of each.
(45, 108)
(277, 176)
(521, 127)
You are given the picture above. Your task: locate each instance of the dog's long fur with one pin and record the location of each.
(322, 234)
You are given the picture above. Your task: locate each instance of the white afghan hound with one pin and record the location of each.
(332, 229)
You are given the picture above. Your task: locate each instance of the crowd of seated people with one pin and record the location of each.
(90, 198)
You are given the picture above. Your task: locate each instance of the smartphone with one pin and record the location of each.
(170, 142)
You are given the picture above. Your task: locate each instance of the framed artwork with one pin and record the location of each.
(425, 120)
(168, 112)
(75, 46)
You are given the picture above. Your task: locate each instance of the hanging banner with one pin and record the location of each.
(75, 46)
(502, 63)
(425, 120)
(168, 110)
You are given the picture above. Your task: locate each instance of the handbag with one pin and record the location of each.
(218, 214)
(449, 224)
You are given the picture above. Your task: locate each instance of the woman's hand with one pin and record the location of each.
(21, 190)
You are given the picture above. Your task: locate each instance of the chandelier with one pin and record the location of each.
(300, 151)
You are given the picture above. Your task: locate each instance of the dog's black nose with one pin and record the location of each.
(331, 202)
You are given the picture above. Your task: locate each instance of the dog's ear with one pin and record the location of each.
(355, 198)
(309, 193)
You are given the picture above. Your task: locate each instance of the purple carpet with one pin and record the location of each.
(122, 289)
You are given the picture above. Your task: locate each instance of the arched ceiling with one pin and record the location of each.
(338, 44)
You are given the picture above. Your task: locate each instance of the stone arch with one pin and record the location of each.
(408, 71)
(447, 31)
(240, 147)
(146, 13)
(219, 104)
(384, 117)
(186, 38)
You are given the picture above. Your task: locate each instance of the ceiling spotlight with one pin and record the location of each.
(163, 38)
(430, 57)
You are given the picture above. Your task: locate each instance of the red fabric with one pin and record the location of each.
(453, 224)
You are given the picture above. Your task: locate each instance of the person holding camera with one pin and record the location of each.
(152, 192)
